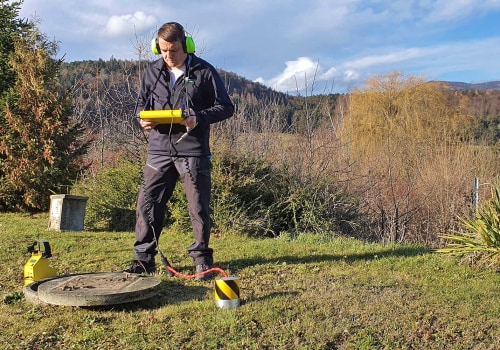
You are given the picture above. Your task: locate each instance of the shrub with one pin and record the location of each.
(253, 197)
(112, 197)
(479, 244)
(249, 196)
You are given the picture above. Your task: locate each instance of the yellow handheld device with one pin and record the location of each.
(37, 267)
(163, 116)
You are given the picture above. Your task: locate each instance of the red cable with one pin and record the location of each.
(213, 269)
(177, 273)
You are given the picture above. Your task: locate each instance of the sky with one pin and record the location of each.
(313, 46)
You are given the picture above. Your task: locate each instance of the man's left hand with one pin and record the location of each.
(190, 122)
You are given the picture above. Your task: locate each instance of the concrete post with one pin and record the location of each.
(67, 212)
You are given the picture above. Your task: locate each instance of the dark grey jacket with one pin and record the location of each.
(201, 89)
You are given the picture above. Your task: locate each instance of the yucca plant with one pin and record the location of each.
(479, 243)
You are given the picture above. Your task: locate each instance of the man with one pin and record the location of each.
(179, 80)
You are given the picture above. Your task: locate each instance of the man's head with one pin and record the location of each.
(172, 44)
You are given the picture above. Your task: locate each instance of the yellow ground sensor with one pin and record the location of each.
(163, 116)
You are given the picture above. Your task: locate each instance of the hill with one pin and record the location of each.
(110, 88)
(460, 86)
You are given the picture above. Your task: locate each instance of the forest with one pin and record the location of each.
(108, 89)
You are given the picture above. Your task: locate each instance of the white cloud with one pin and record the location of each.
(305, 72)
(128, 24)
(452, 11)
(350, 75)
(297, 75)
(330, 74)
(390, 58)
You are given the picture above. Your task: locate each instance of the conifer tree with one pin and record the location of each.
(11, 27)
(41, 148)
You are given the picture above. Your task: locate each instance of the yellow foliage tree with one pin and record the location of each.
(404, 115)
(395, 127)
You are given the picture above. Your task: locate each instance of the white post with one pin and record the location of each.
(476, 193)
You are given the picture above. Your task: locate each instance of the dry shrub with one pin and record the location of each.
(414, 164)
(445, 185)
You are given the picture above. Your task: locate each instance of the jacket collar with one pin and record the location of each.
(190, 62)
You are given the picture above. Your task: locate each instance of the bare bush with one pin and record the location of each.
(413, 158)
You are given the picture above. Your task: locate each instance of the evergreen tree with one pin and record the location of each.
(12, 27)
(40, 148)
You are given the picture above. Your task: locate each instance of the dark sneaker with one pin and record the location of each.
(139, 267)
(205, 276)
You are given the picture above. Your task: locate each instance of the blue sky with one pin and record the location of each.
(326, 46)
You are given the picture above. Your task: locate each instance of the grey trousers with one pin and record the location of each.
(159, 178)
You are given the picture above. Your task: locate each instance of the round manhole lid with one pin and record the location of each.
(97, 289)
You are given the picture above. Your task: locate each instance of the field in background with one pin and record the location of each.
(306, 293)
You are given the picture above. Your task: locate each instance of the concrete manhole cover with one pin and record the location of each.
(97, 289)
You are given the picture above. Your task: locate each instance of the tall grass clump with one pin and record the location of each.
(479, 243)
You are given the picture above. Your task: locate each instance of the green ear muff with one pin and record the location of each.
(189, 46)
(155, 47)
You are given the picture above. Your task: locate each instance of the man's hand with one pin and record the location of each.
(190, 122)
(148, 125)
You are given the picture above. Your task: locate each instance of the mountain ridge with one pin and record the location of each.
(461, 86)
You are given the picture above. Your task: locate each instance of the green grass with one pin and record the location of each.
(306, 293)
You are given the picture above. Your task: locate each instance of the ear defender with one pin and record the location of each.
(155, 47)
(188, 45)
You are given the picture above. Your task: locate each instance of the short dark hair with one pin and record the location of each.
(172, 31)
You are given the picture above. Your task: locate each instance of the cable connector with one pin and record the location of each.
(166, 264)
(186, 113)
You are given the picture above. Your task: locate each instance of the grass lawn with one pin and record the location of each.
(307, 293)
